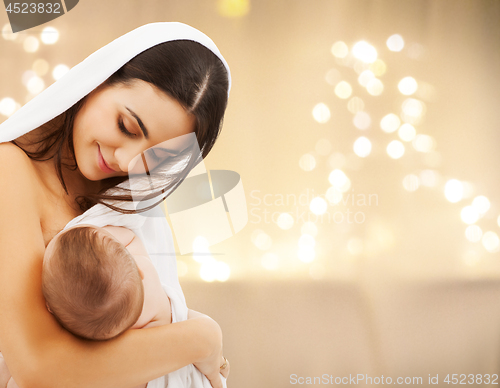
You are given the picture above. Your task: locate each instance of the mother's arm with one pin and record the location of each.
(38, 351)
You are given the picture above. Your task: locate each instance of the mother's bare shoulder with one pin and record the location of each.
(18, 178)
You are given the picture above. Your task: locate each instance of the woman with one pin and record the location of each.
(71, 148)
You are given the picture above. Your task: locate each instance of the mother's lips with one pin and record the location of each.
(102, 163)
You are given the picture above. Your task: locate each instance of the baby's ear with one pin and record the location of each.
(141, 273)
(48, 308)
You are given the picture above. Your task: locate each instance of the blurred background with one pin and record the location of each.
(365, 134)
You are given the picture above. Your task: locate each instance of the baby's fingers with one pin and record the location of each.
(215, 380)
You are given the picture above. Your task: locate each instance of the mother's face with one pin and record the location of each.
(118, 123)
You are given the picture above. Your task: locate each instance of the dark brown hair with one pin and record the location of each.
(92, 285)
(185, 70)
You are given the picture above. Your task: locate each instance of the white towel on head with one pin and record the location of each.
(154, 232)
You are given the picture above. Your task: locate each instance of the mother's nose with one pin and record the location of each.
(129, 160)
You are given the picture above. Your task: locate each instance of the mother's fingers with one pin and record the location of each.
(215, 381)
(225, 372)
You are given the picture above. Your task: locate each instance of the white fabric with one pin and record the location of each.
(76, 84)
(100, 215)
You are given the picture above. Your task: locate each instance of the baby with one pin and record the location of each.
(100, 282)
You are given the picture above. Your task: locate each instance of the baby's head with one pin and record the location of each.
(91, 283)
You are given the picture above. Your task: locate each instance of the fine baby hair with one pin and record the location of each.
(92, 284)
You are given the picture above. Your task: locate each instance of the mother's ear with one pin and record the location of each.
(48, 308)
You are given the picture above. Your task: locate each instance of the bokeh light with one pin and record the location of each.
(362, 147)
(27, 75)
(333, 195)
(309, 227)
(365, 77)
(454, 190)
(408, 86)
(233, 8)
(469, 215)
(378, 67)
(285, 221)
(337, 178)
(395, 43)
(261, 239)
(336, 160)
(31, 44)
(491, 242)
(481, 204)
(473, 233)
(306, 241)
(407, 132)
(362, 120)
(355, 105)
(318, 206)
(423, 143)
(270, 261)
(411, 182)
(340, 49)
(214, 270)
(359, 67)
(375, 87)
(412, 110)
(7, 33)
(332, 77)
(40, 67)
(306, 255)
(201, 251)
(59, 71)
(429, 178)
(307, 162)
(343, 90)
(49, 35)
(364, 52)
(321, 113)
(7, 106)
(395, 149)
(35, 85)
(390, 123)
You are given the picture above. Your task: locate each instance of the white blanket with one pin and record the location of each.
(154, 232)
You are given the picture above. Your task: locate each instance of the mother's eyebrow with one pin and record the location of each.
(141, 124)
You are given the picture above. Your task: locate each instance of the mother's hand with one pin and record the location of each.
(210, 366)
